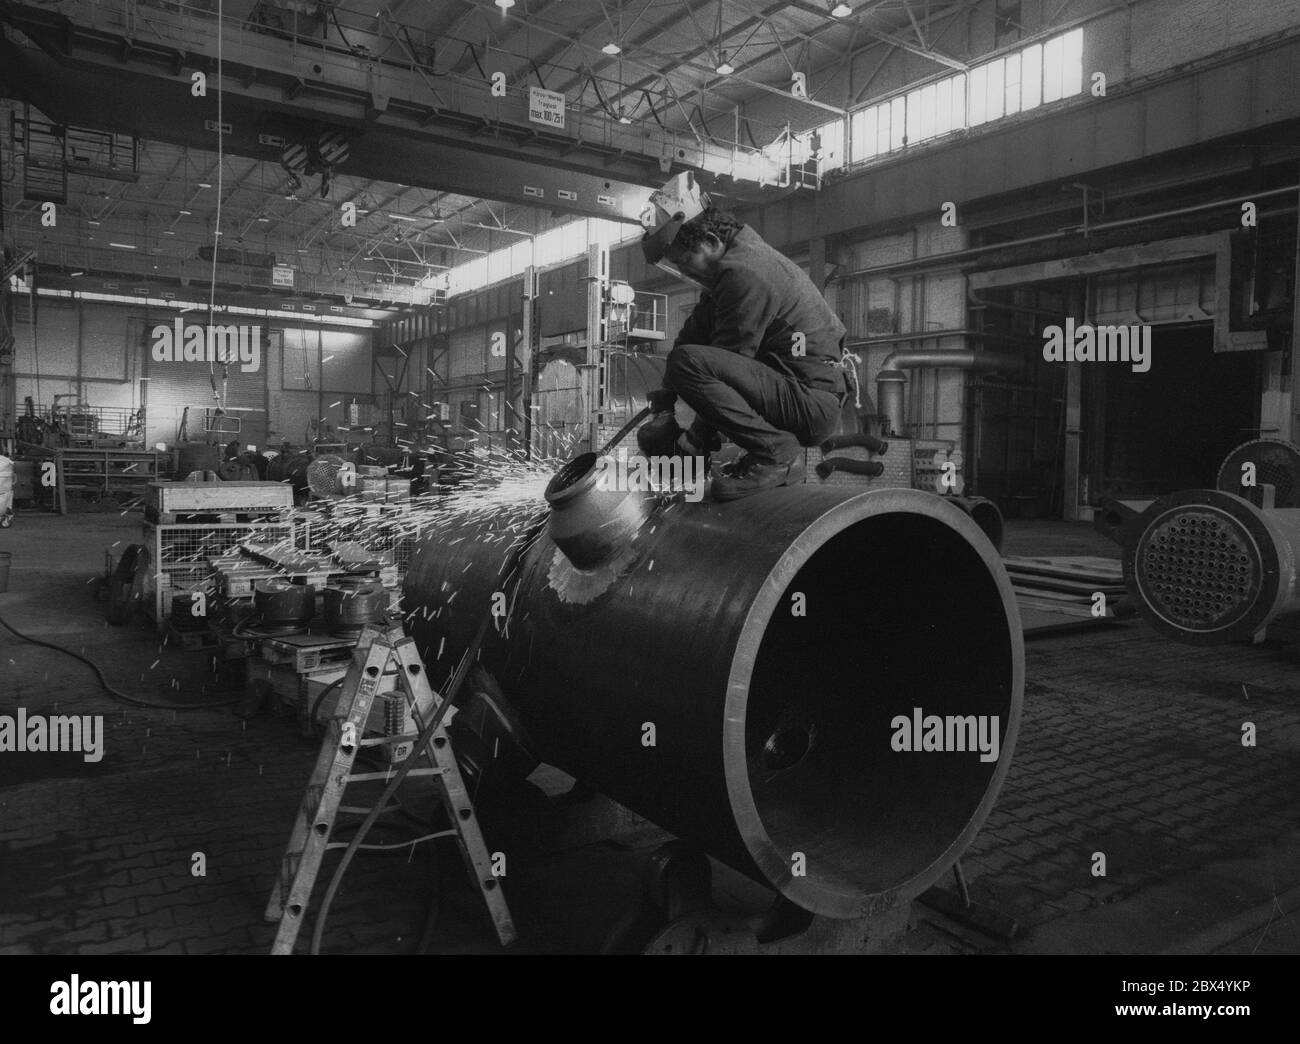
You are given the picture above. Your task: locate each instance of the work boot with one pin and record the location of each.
(750, 476)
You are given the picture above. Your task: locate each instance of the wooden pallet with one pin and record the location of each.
(307, 652)
(192, 641)
(199, 518)
(293, 692)
(237, 575)
(209, 497)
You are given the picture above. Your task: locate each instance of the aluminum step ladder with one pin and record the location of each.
(382, 658)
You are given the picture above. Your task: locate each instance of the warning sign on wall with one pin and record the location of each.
(282, 275)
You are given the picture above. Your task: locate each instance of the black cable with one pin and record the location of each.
(601, 98)
(653, 111)
(477, 64)
(705, 124)
(339, 28)
(622, 432)
(321, 697)
(104, 681)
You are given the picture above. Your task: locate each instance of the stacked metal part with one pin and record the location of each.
(733, 671)
(352, 603)
(282, 607)
(1216, 565)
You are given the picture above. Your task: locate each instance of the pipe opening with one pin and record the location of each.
(902, 613)
(563, 481)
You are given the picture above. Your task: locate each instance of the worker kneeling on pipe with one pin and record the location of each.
(760, 360)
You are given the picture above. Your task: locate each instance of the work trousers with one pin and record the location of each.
(767, 414)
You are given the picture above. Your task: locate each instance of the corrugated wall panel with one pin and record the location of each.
(104, 343)
(466, 356)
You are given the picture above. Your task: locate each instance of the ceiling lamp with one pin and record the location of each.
(841, 10)
(204, 184)
(724, 68)
(612, 49)
(505, 5)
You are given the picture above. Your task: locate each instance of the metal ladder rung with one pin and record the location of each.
(365, 777)
(381, 741)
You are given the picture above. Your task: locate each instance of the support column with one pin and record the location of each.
(591, 384)
(529, 349)
(1291, 416)
(1073, 420)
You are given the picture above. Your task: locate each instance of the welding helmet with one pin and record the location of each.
(667, 210)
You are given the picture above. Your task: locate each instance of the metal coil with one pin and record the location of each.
(349, 606)
(283, 607)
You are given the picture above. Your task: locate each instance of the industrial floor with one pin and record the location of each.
(1130, 746)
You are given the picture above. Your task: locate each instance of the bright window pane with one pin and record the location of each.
(959, 101)
(1072, 63)
(1013, 84)
(864, 133)
(928, 95)
(979, 78)
(574, 240)
(943, 106)
(882, 129)
(521, 256)
(832, 139)
(1052, 54)
(898, 123)
(1031, 77)
(996, 71)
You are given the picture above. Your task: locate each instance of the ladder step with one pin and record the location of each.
(363, 777)
(381, 741)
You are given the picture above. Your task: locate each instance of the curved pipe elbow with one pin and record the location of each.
(955, 358)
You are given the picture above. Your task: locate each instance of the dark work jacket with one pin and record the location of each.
(758, 301)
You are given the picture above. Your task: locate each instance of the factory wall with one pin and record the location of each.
(101, 353)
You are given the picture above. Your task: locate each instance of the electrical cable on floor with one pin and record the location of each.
(117, 693)
(321, 697)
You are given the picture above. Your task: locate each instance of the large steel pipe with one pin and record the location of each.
(1206, 566)
(740, 672)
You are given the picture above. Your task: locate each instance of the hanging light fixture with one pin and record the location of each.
(612, 49)
(841, 10)
(725, 68)
(505, 5)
